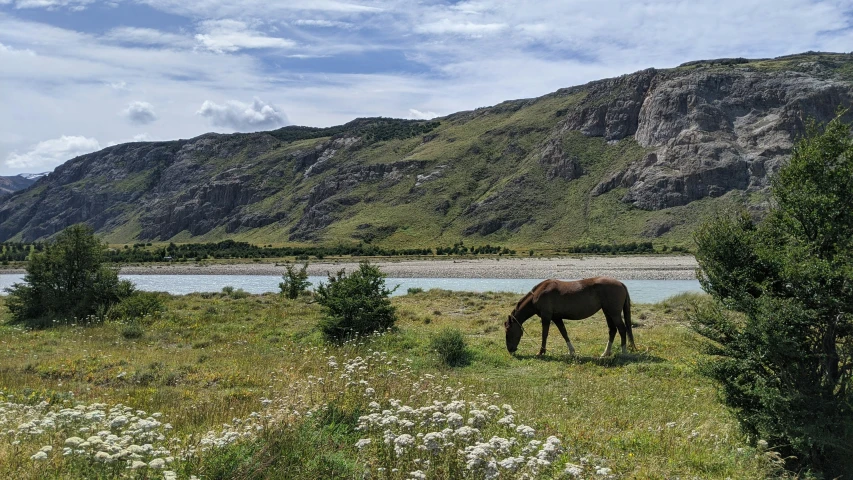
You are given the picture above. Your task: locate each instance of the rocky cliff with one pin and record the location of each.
(641, 156)
(13, 184)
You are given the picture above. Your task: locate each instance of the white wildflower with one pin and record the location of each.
(402, 442)
(362, 443)
(572, 470)
(39, 455)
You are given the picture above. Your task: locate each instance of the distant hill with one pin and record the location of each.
(636, 158)
(14, 183)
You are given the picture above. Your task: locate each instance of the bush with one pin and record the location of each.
(138, 306)
(414, 290)
(132, 329)
(451, 348)
(295, 281)
(355, 304)
(67, 282)
(781, 326)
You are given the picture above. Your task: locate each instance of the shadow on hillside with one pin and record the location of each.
(617, 360)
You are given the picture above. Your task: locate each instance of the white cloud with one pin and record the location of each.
(243, 117)
(50, 153)
(75, 5)
(5, 49)
(324, 24)
(139, 113)
(148, 36)
(223, 36)
(419, 115)
(445, 25)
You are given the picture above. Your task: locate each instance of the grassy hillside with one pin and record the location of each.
(248, 390)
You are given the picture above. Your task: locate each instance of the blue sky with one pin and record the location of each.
(79, 75)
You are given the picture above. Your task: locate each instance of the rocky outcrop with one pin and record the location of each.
(611, 107)
(716, 131)
(328, 198)
(557, 164)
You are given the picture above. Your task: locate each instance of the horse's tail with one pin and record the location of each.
(626, 312)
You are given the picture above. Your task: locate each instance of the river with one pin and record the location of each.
(642, 291)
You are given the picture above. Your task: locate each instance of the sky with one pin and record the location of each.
(77, 76)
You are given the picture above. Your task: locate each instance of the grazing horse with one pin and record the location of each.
(556, 300)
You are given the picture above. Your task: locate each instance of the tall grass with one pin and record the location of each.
(248, 389)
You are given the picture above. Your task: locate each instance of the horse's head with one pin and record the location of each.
(513, 332)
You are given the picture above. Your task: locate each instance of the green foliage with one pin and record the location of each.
(237, 294)
(140, 306)
(632, 247)
(307, 450)
(782, 324)
(355, 304)
(133, 329)
(450, 346)
(414, 290)
(295, 281)
(67, 282)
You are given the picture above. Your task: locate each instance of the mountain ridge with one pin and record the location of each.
(636, 157)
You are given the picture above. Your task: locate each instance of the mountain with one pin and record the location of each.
(14, 183)
(640, 157)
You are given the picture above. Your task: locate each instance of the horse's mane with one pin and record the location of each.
(529, 294)
(518, 305)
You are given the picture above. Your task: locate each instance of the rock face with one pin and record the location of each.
(14, 183)
(544, 168)
(716, 131)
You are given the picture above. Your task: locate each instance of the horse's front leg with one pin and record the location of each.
(562, 328)
(546, 323)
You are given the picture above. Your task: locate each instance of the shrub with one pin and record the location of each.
(295, 282)
(132, 329)
(237, 294)
(414, 290)
(781, 326)
(137, 306)
(67, 282)
(355, 304)
(450, 346)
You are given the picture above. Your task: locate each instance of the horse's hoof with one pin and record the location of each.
(540, 354)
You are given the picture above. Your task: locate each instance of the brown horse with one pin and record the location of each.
(556, 300)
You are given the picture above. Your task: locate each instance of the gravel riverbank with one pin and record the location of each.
(639, 267)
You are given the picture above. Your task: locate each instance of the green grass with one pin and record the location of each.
(212, 358)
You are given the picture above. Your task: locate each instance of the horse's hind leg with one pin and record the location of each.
(562, 328)
(611, 325)
(614, 319)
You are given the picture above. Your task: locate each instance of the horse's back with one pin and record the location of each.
(580, 298)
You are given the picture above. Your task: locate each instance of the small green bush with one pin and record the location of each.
(295, 282)
(237, 294)
(355, 304)
(414, 290)
(132, 329)
(451, 348)
(138, 306)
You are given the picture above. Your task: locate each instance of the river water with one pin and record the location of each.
(642, 291)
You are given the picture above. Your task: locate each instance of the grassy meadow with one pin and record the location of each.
(242, 386)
